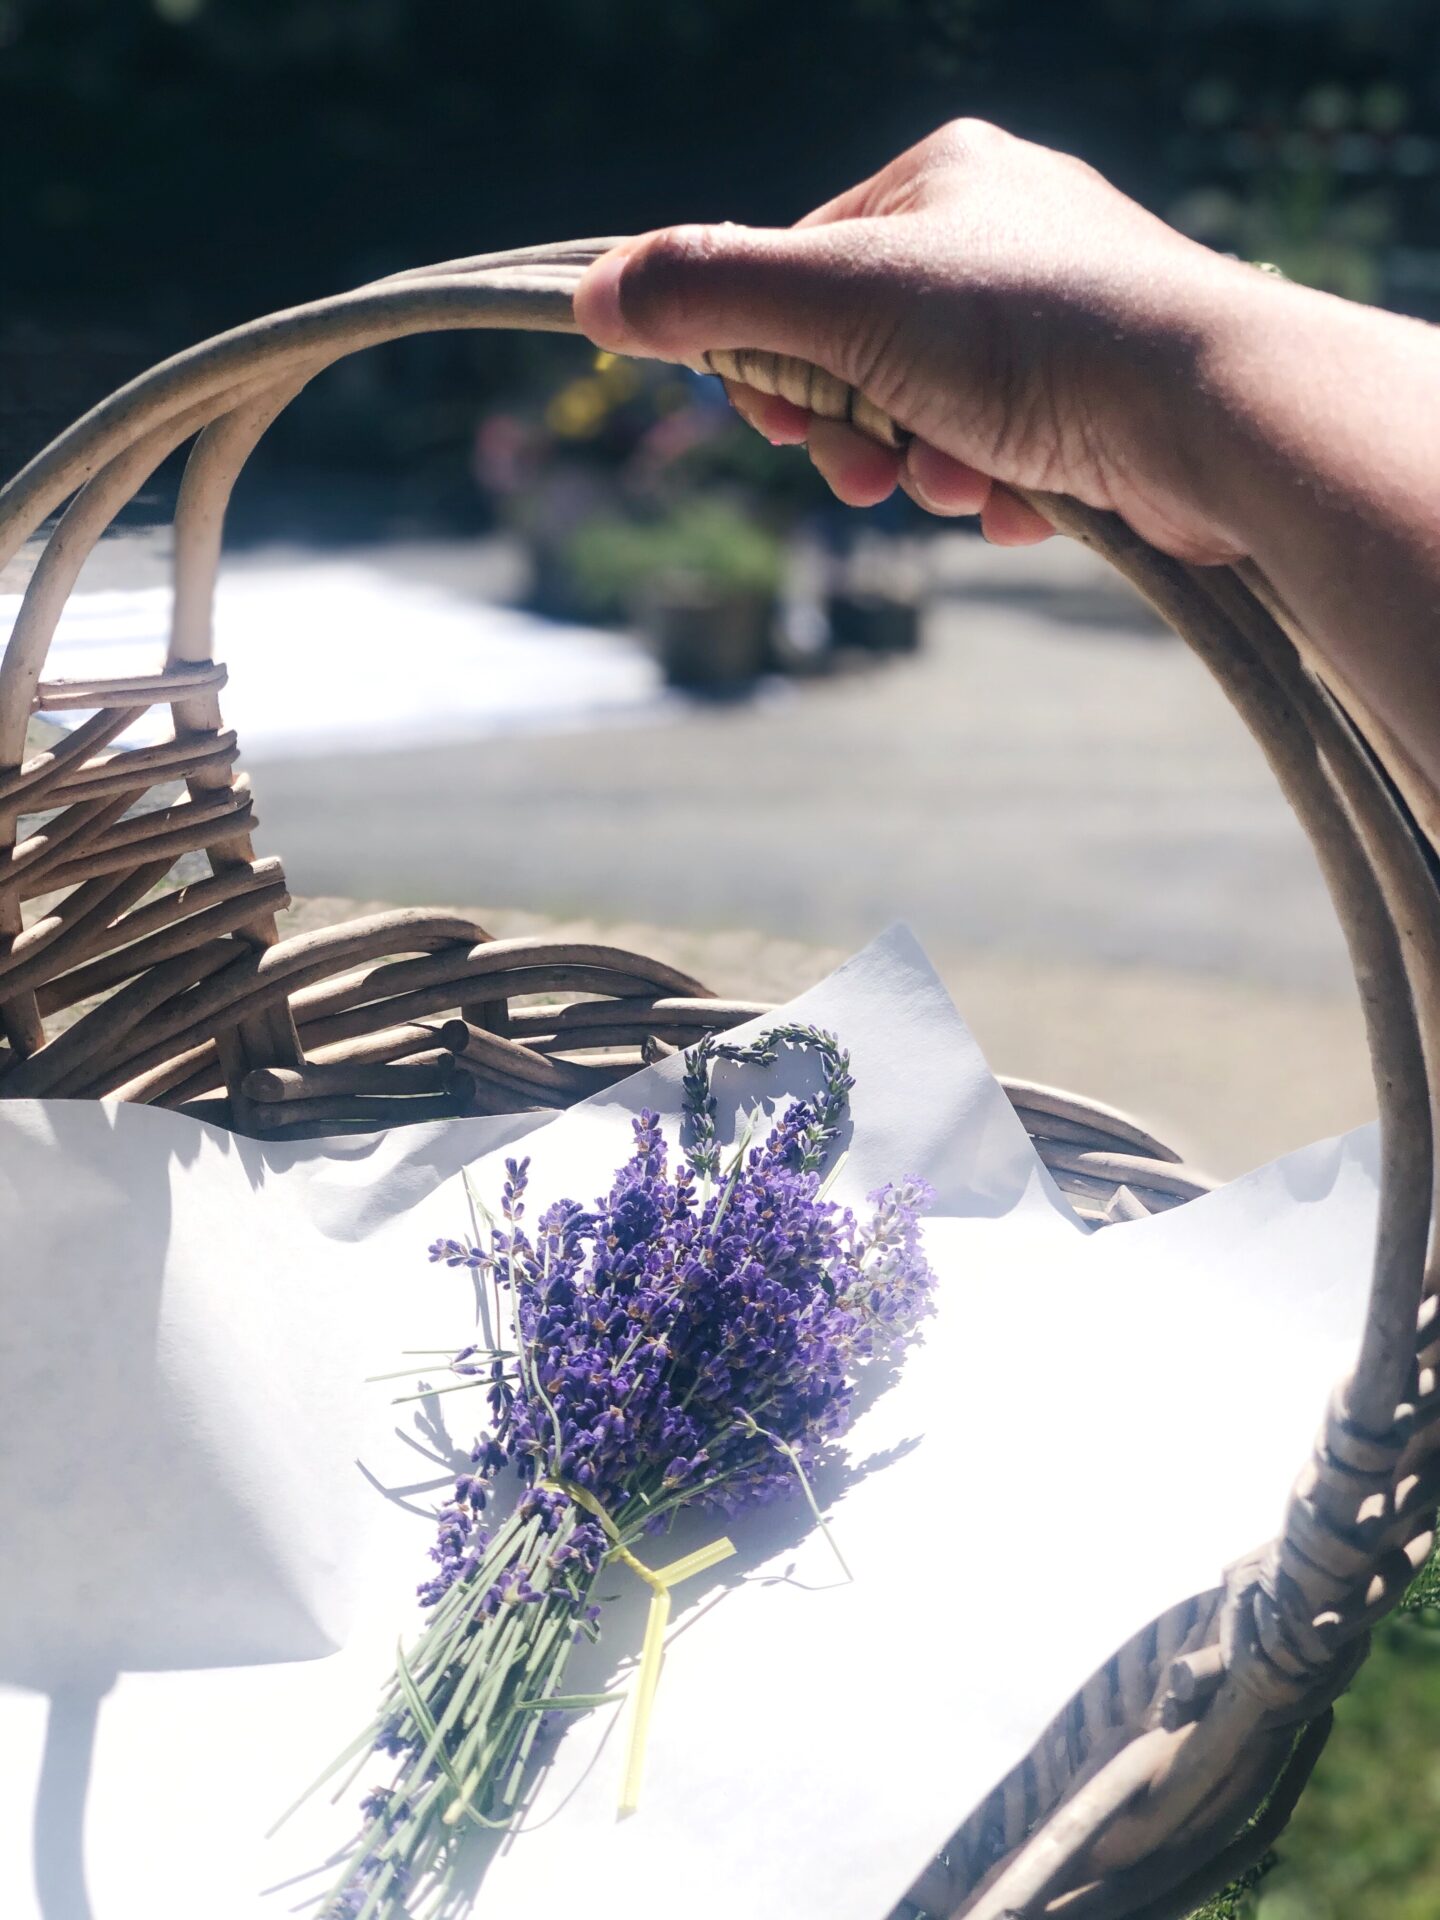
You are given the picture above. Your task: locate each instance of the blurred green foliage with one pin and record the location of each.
(1423, 1599)
(1365, 1840)
(707, 543)
(1237, 1902)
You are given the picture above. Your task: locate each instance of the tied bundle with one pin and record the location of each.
(695, 1339)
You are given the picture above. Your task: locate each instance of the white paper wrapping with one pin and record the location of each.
(1094, 1426)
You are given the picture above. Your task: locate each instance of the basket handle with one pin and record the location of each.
(785, 377)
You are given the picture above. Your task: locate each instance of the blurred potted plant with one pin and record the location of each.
(701, 580)
(873, 621)
(877, 596)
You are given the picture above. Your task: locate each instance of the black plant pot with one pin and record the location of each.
(874, 622)
(708, 640)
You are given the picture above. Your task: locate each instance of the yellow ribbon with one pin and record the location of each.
(652, 1652)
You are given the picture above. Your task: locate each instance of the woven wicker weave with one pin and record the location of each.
(1141, 1797)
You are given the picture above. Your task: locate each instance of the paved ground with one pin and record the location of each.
(1051, 793)
(1030, 782)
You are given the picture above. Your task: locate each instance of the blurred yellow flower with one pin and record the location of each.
(577, 411)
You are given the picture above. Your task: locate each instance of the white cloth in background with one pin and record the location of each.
(421, 664)
(1094, 1426)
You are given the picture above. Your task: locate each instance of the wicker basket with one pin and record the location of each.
(1142, 1796)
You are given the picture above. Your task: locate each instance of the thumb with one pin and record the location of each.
(679, 292)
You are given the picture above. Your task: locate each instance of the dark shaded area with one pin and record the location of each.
(176, 166)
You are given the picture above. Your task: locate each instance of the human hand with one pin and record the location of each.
(1028, 324)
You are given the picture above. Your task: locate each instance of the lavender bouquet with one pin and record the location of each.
(695, 1340)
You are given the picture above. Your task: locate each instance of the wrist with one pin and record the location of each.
(1188, 375)
(1231, 412)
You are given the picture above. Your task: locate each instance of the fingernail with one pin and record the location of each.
(597, 303)
(934, 506)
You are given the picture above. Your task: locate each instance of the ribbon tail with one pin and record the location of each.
(652, 1657)
(652, 1651)
(652, 1654)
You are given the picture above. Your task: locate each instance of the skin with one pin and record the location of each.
(1033, 327)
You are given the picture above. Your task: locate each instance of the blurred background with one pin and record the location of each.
(611, 662)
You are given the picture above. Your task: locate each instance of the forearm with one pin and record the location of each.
(1324, 432)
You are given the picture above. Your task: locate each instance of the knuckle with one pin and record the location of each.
(966, 140)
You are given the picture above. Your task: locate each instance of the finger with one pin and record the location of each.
(942, 485)
(684, 290)
(1008, 522)
(856, 469)
(907, 485)
(780, 422)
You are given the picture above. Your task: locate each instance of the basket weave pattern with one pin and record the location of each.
(1140, 1799)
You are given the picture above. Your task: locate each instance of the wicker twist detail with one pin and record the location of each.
(125, 977)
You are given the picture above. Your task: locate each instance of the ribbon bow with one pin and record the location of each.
(660, 1580)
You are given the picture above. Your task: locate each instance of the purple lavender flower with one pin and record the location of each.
(695, 1338)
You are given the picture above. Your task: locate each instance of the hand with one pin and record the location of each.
(1025, 321)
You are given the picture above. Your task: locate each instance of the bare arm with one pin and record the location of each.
(1328, 475)
(1034, 328)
